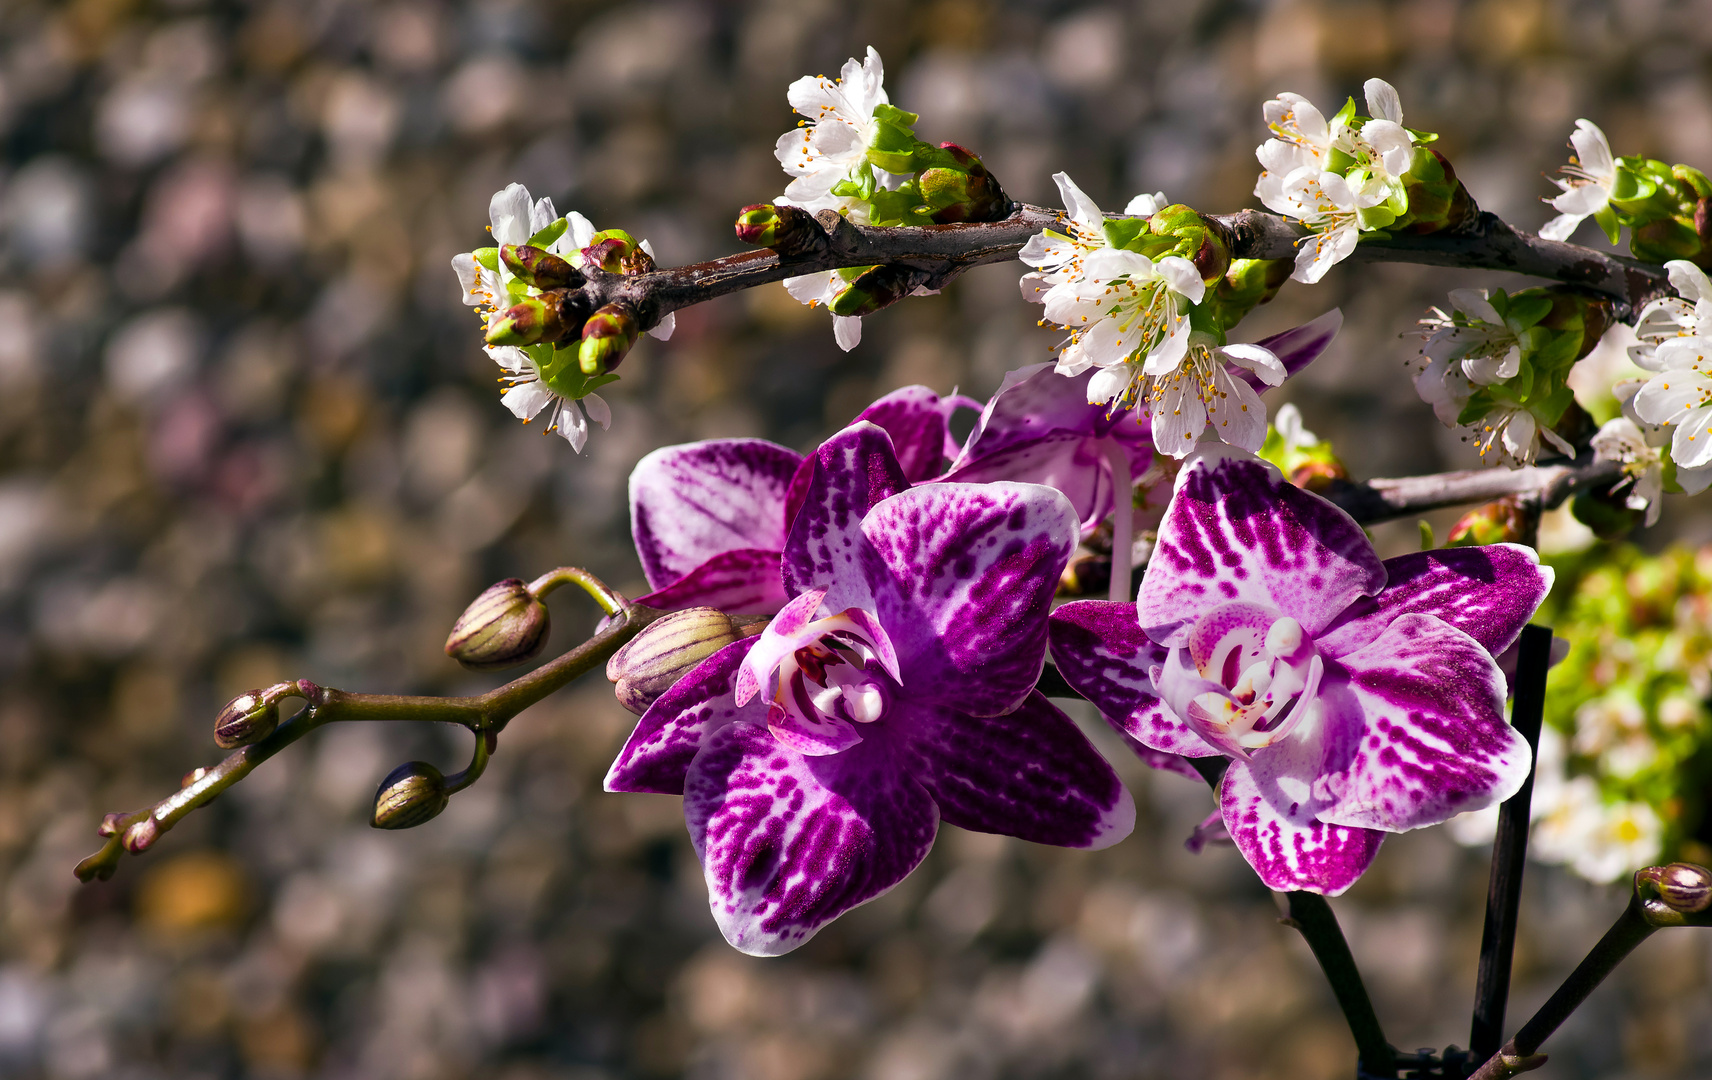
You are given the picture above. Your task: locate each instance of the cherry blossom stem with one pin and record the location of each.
(941, 252)
(484, 714)
(1123, 518)
(1382, 500)
(1509, 853)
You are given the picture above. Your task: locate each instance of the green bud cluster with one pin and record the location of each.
(1433, 197)
(607, 337)
(1314, 466)
(1630, 699)
(1668, 209)
(942, 184)
(1554, 326)
(1245, 286)
(871, 288)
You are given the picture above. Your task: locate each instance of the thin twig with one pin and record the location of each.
(945, 251)
(1509, 853)
(1382, 500)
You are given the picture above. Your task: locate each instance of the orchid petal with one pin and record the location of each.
(1298, 347)
(743, 580)
(673, 730)
(1424, 737)
(785, 634)
(1236, 531)
(963, 576)
(853, 472)
(1488, 592)
(690, 503)
(1288, 848)
(915, 418)
(1029, 773)
(1103, 654)
(789, 843)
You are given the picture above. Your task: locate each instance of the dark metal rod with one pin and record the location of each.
(1509, 851)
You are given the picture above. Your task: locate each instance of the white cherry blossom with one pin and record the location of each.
(528, 395)
(1623, 441)
(1676, 344)
(832, 143)
(1586, 184)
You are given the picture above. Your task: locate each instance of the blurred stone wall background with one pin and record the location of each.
(246, 433)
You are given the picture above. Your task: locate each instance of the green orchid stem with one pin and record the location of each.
(1509, 853)
(1312, 916)
(484, 714)
(610, 602)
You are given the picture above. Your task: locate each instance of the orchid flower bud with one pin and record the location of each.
(251, 716)
(665, 651)
(607, 337)
(1682, 887)
(503, 627)
(875, 287)
(410, 795)
(539, 267)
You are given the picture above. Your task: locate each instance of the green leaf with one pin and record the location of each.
(488, 257)
(892, 115)
(551, 233)
(1120, 232)
(1606, 218)
(1550, 409)
(1344, 115)
(1526, 309)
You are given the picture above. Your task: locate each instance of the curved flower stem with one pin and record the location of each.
(484, 714)
(1382, 500)
(1123, 518)
(610, 602)
(1312, 915)
(1509, 852)
(941, 252)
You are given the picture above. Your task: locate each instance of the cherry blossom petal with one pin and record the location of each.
(690, 503)
(1488, 592)
(1422, 735)
(847, 331)
(1103, 654)
(853, 472)
(1082, 209)
(1289, 848)
(1236, 531)
(673, 730)
(1382, 101)
(963, 576)
(1236, 413)
(745, 581)
(788, 843)
(526, 399)
(1029, 773)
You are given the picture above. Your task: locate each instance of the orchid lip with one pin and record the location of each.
(1254, 676)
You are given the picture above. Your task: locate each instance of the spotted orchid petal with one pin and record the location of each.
(1417, 734)
(788, 843)
(1288, 847)
(691, 503)
(1488, 592)
(916, 419)
(658, 753)
(745, 581)
(854, 471)
(1236, 531)
(963, 576)
(1103, 654)
(1029, 773)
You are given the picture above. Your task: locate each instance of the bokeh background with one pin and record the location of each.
(247, 433)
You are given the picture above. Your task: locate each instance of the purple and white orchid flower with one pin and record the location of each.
(710, 518)
(1353, 697)
(894, 689)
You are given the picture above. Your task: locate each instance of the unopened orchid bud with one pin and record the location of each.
(963, 190)
(1506, 521)
(607, 337)
(665, 651)
(539, 267)
(503, 627)
(874, 288)
(411, 794)
(531, 320)
(251, 716)
(1683, 887)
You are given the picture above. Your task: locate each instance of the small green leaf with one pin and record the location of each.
(488, 257)
(1606, 218)
(549, 234)
(1121, 231)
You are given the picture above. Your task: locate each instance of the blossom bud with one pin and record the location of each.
(539, 267)
(503, 627)
(964, 190)
(250, 717)
(1437, 200)
(1319, 474)
(607, 337)
(1664, 239)
(1683, 887)
(1606, 513)
(617, 252)
(1506, 521)
(532, 319)
(1200, 239)
(875, 287)
(665, 651)
(410, 795)
(141, 836)
(788, 230)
